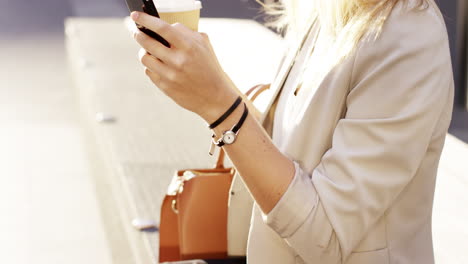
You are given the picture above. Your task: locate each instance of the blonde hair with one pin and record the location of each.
(343, 24)
(346, 21)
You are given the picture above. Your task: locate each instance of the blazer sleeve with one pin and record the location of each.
(399, 89)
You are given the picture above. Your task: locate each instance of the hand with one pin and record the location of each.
(188, 72)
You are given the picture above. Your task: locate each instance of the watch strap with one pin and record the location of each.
(238, 126)
(227, 114)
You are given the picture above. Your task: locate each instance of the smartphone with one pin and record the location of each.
(148, 7)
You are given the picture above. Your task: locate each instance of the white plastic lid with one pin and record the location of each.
(168, 6)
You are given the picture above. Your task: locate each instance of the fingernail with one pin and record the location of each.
(134, 15)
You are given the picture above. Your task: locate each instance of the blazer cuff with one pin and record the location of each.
(295, 206)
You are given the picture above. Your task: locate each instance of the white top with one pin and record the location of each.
(282, 123)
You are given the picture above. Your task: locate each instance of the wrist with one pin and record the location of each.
(229, 123)
(215, 111)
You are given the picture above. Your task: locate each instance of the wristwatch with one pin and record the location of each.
(230, 136)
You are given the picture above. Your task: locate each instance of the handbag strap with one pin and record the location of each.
(220, 162)
(256, 91)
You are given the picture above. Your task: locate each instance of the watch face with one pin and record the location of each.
(229, 137)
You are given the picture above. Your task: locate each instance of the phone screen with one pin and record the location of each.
(148, 7)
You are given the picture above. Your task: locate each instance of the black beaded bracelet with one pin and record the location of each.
(227, 114)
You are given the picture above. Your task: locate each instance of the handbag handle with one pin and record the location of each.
(256, 90)
(260, 89)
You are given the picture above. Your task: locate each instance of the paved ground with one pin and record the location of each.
(46, 197)
(450, 215)
(47, 200)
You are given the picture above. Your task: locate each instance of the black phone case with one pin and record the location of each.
(148, 7)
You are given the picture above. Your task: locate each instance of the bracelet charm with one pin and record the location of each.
(212, 146)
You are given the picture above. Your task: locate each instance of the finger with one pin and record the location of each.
(158, 81)
(205, 36)
(165, 30)
(152, 46)
(154, 77)
(141, 53)
(153, 64)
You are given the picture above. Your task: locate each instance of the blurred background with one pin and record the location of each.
(51, 204)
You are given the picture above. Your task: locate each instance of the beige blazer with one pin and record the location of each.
(366, 144)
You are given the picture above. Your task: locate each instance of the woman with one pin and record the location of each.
(357, 130)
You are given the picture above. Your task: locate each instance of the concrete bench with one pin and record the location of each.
(137, 137)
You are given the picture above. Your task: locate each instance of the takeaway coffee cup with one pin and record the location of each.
(186, 12)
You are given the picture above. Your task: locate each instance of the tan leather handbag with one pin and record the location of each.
(195, 210)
